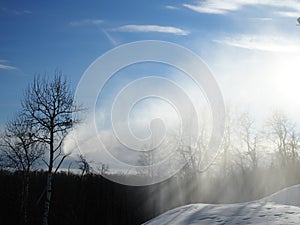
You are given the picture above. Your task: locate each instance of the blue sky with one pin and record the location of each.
(39, 37)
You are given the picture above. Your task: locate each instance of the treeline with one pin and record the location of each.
(89, 199)
(92, 199)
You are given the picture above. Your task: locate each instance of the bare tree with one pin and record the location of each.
(103, 168)
(21, 151)
(227, 144)
(193, 150)
(147, 159)
(250, 138)
(48, 106)
(282, 134)
(84, 165)
(191, 153)
(294, 145)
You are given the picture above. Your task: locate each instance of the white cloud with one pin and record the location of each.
(15, 12)
(225, 6)
(260, 19)
(263, 43)
(86, 22)
(293, 14)
(171, 7)
(7, 67)
(213, 7)
(152, 28)
(99, 147)
(170, 104)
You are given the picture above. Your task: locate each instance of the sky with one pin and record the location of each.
(252, 47)
(235, 38)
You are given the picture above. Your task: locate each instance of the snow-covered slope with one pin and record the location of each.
(280, 208)
(287, 196)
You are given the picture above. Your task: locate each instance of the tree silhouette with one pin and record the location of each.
(48, 106)
(20, 151)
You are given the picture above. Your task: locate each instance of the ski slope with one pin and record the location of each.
(280, 208)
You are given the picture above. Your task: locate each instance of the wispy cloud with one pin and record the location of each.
(260, 19)
(152, 28)
(293, 14)
(171, 7)
(86, 22)
(110, 38)
(15, 12)
(7, 67)
(213, 6)
(225, 6)
(262, 43)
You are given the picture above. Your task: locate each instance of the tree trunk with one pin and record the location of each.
(24, 200)
(49, 178)
(48, 198)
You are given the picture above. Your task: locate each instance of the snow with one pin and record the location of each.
(280, 208)
(288, 196)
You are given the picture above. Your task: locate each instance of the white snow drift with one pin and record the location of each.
(280, 208)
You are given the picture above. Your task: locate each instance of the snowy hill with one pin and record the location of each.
(280, 208)
(287, 196)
